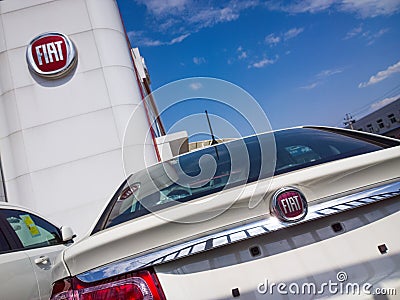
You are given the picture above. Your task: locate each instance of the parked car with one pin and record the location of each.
(29, 246)
(325, 212)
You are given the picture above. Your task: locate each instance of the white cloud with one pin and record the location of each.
(377, 105)
(382, 75)
(291, 33)
(369, 36)
(370, 8)
(242, 53)
(159, 7)
(384, 102)
(137, 38)
(199, 60)
(327, 73)
(195, 86)
(178, 39)
(310, 86)
(272, 39)
(363, 8)
(151, 43)
(192, 15)
(321, 77)
(182, 17)
(208, 18)
(301, 6)
(372, 37)
(262, 63)
(354, 32)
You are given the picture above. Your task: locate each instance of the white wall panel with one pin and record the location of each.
(11, 116)
(121, 85)
(138, 157)
(13, 156)
(2, 40)
(86, 92)
(3, 120)
(7, 6)
(76, 192)
(112, 47)
(88, 56)
(122, 115)
(138, 131)
(6, 83)
(68, 17)
(19, 71)
(71, 139)
(104, 14)
(20, 190)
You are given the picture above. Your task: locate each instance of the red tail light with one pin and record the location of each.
(141, 285)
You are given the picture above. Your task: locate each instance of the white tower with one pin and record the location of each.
(61, 138)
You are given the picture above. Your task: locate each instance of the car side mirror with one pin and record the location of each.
(67, 234)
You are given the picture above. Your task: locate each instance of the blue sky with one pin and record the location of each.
(305, 62)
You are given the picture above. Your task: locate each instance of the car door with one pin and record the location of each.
(40, 241)
(17, 277)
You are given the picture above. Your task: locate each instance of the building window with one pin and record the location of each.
(392, 118)
(360, 129)
(380, 123)
(3, 195)
(370, 128)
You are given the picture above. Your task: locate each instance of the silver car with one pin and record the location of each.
(310, 212)
(29, 246)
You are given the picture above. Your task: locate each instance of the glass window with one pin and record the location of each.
(370, 128)
(32, 231)
(4, 245)
(392, 118)
(185, 178)
(302, 154)
(380, 123)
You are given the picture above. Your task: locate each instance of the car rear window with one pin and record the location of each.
(301, 148)
(232, 165)
(4, 245)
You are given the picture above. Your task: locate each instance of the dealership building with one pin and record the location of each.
(69, 82)
(384, 121)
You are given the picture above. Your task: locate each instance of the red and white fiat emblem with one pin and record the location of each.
(51, 55)
(289, 204)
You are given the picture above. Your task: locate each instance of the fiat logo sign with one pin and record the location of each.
(51, 55)
(289, 205)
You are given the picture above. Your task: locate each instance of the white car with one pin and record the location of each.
(29, 246)
(310, 212)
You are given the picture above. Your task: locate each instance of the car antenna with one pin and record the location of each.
(213, 141)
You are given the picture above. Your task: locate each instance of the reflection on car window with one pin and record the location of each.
(302, 154)
(32, 231)
(4, 245)
(179, 180)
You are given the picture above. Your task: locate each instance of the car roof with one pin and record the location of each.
(7, 205)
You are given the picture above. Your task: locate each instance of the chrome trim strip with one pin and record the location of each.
(240, 233)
